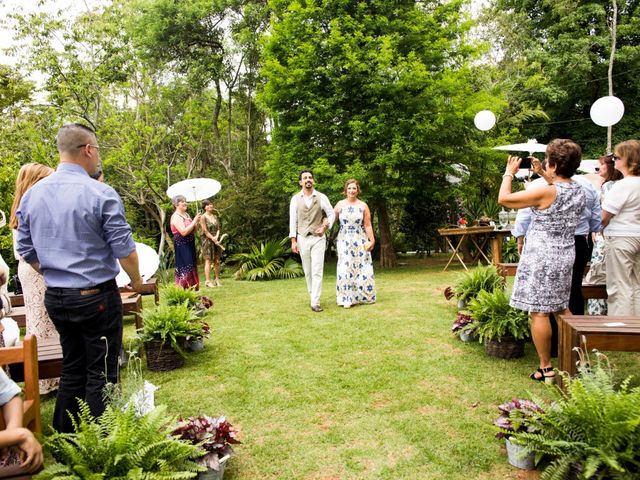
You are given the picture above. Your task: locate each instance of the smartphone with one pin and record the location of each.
(526, 162)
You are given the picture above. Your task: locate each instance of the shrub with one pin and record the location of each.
(495, 318)
(269, 261)
(474, 281)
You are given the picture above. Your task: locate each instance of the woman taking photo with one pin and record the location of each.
(355, 281)
(184, 240)
(543, 279)
(621, 229)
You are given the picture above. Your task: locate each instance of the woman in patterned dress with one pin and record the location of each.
(355, 280)
(597, 271)
(211, 248)
(184, 241)
(543, 279)
(33, 287)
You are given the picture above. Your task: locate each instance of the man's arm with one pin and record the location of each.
(293, 224)
(130, 265)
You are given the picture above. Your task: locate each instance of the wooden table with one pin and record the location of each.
(608, 333)
(479, 236)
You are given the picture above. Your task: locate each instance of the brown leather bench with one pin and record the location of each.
(607, 333)
(49, 355)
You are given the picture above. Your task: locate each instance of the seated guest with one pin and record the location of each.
(16, 438)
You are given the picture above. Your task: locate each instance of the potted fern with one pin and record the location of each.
(592, 428)
(215, 436)
(502, 328)
(165, 329)
(119, 444)
(173, 294)
(481, 278)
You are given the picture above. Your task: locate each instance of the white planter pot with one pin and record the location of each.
(468, 336)
(519, 456)
(194, 344)
(462, 304)
(212, 474)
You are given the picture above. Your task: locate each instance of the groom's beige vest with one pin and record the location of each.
(309, 218)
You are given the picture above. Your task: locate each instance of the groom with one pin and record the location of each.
(310, 216)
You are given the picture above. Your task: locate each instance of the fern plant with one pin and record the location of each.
(510, 251)
(170, 324)
(269, 261)
(176, 295)
(118, 445)
(592, 430)
(495, 318)
(483, 277)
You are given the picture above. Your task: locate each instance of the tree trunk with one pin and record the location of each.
(388, 257)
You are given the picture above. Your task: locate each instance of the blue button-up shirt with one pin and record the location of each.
(589, 219)
(74, 227)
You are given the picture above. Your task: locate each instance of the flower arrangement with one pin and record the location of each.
(214, 435)
(514, 416)
(462, 222)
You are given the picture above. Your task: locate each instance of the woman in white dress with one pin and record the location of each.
(33, 287)
(355, 281)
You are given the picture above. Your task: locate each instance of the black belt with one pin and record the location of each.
(101, 287)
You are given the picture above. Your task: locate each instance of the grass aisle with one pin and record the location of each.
(373, 392)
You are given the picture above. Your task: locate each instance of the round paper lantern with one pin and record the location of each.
(484, 120)
(607, 111)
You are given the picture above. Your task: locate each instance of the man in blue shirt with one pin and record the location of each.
(73, 230)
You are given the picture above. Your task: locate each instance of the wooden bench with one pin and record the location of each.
(49, 355)
(607, 333)
(150, 287)
(509, 270)
(131, 305)
(594, 291)
(25, 359)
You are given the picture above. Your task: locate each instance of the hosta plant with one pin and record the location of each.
(213, 435)
(514, 416)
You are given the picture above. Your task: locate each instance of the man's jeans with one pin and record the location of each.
(89, 322)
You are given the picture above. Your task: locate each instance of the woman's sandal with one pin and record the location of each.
(544, 378)
(208, 284)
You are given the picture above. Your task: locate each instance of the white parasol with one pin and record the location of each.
(148, 263)
(194, 189)
(532, 146)
(3, 220)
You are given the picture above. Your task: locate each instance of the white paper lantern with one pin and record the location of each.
(484, 120)
(607, 111)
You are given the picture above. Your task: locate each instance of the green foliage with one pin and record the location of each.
(471, 283)
(510, 251)
(495, 318)
(271, 260)
(170, 323)
(176, 295)
(119, 445)
(592, 428)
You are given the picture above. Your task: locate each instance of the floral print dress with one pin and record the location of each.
(543, 278)
(355, 280)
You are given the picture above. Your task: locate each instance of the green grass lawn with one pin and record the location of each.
(378, 391)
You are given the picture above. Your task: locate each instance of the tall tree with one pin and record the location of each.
(375, 89)
(559, 53)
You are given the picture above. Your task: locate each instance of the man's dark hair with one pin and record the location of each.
(304, 171)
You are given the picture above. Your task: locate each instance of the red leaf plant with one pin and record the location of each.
(214, 435)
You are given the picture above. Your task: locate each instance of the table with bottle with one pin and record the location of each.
(479, 237)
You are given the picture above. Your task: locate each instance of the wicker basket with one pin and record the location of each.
(161, 357)
(507, 347)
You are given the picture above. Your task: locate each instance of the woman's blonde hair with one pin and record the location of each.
(29, 174)
(349, 182)
(630, 150)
